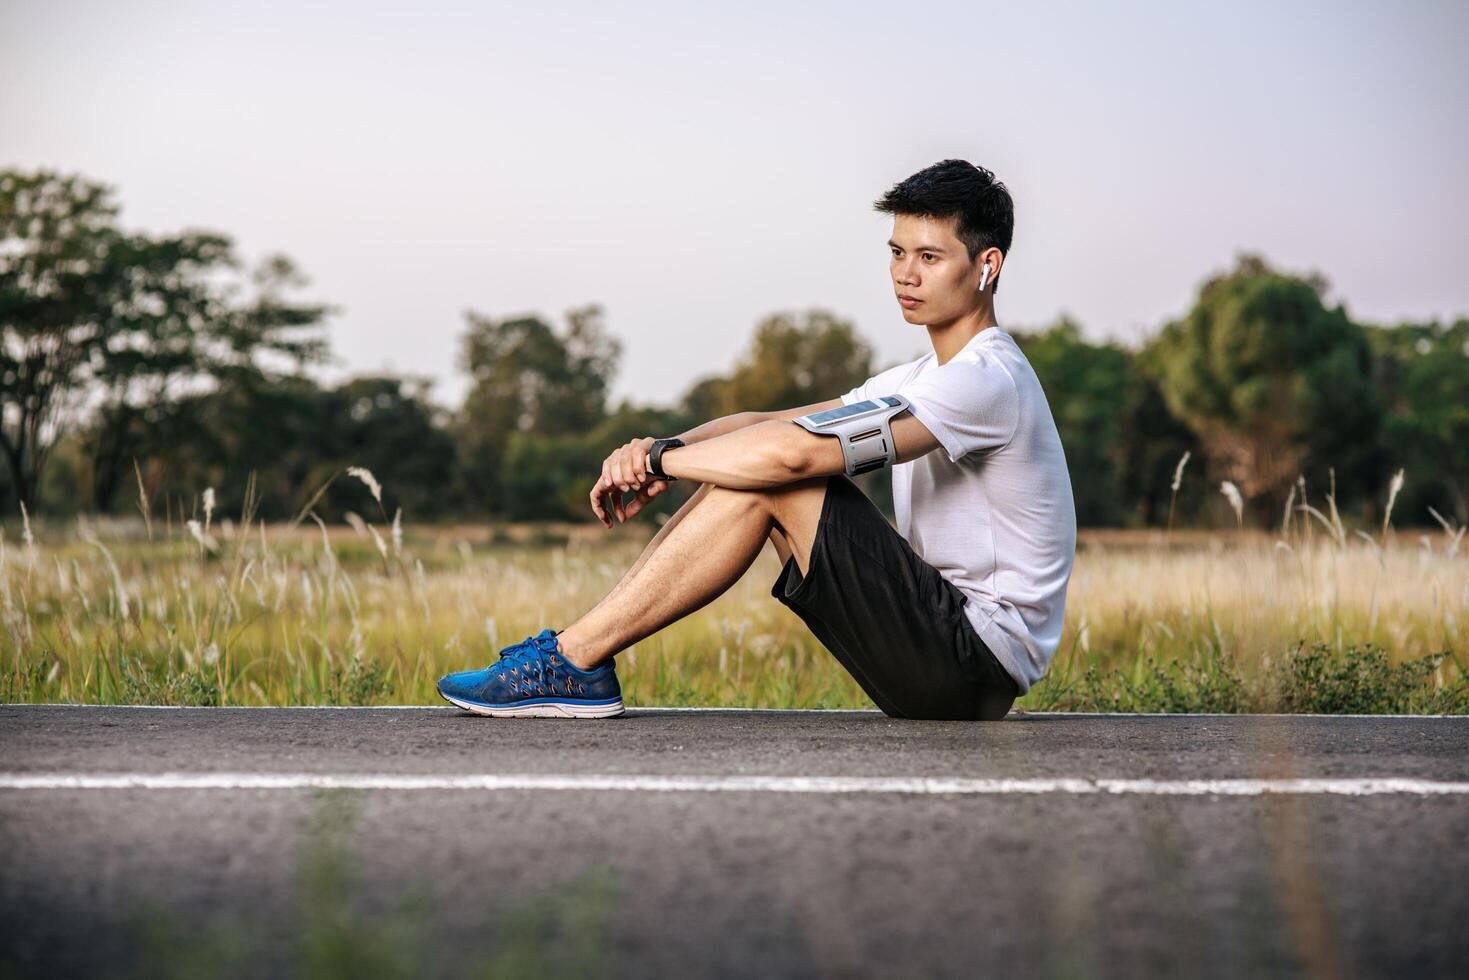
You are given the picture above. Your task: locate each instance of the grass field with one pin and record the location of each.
(128, 611)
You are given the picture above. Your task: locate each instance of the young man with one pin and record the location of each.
(952, 615)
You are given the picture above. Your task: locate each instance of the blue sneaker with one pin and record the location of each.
(532, 679)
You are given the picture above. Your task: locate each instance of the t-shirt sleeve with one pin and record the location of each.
(882, 383)
(858, 393)
(969, 404)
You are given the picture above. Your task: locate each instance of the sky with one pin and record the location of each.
(694, 169)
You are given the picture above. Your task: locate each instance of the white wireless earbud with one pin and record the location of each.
(984, 277)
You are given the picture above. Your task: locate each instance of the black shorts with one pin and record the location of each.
(890, 618)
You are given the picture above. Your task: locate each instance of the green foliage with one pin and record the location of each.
(559, 931)
(1213, 685)
(528, 379)
(141, 368)
(1423, 373)
(335, 940)
(1089, 382)
(25, 680)
(1271, 381)
(297, 436)
(1315, 680)
(550, 477)
(1312, 679)
(360, 682)
(139, 683)
(126, 317)
(788, 364)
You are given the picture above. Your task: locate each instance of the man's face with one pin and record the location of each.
(929, 264)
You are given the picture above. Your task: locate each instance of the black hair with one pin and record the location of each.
(952, 188)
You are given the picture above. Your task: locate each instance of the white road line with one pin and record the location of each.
(738, 784)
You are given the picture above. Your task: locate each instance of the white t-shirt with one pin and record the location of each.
(991, 508)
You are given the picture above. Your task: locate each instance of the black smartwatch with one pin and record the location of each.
(655, 456)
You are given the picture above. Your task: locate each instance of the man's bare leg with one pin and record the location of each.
(716, 538)
(777, 539)
(657, 540)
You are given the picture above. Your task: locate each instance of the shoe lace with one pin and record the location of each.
(527, 659)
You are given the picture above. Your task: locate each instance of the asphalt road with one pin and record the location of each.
(426, 841)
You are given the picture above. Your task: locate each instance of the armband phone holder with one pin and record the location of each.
(864, 428)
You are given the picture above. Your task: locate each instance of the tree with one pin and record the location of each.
(1423, 372)
(788, 364)
(1086, 386)
(142, 376)
(1153, 443)
(88, 311)
(1270, 380)
(528, 379)
(550, 477)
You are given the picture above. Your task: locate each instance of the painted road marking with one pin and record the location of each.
(738, 784)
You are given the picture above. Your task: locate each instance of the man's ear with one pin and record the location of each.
(995, 259)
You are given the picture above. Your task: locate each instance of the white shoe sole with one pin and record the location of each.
(548, 710)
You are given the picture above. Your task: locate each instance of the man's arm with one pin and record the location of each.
(739, 420)
(774, 452)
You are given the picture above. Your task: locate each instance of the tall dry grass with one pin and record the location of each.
(229, 612)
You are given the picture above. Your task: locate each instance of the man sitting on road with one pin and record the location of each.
(952, 615)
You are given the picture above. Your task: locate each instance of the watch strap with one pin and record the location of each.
(655, 456)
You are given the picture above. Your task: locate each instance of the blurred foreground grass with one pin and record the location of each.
(336, 930)
(127, 612)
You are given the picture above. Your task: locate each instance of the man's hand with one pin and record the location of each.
(625, 469)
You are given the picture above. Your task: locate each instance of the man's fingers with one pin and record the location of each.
(597, 505)
(641, 500)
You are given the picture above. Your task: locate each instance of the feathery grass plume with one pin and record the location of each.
(366, 477)
(382, 548)
(1455, 535)
(398, 533)
(1393, 486)
(358, 524)
(1325, 522)
(1231, 493)
(1285, 520)
(326, 544)
(85, 533)
(208, 506)
(206, 541)
(144, 504)
(1341, 531)
(27, 537)
(1301, 482)
(301, 514)
(1177, 481)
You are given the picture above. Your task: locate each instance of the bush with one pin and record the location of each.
(191, 687)
(1212, 686)
(1361, 681)
(361, 682)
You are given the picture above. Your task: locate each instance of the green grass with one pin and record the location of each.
(128, 613)
(554, 932)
